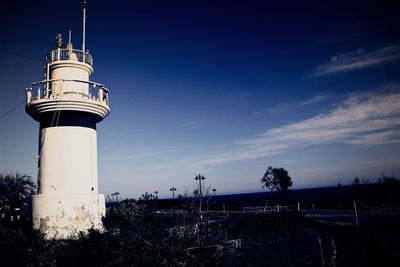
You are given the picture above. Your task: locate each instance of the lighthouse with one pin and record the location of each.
(67, 106)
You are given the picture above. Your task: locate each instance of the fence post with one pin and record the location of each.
(355, 211)
(322, 252)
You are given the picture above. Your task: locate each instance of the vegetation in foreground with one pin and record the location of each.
(138, 233)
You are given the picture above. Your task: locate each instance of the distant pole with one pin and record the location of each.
(321, 251)
(214, 191)
(200, 178)
(173, 189)
(84, 26)
(334, 252)
(355, 211)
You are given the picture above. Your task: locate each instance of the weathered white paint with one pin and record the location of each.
(65, 215)
(67, 201)
(68, 153)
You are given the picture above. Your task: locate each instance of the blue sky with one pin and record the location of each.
(224, 88)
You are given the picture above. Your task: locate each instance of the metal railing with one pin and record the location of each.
(69, 54)
(64, 89)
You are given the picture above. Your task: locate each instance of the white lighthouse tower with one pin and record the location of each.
(68, 106)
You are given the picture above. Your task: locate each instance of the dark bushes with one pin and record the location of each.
(139, 235)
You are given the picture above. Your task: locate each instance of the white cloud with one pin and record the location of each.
(385, 137)
(265, 111)
(313, 100)
(367, 118)
(362, 119)
(289, 106)
(150, 153)
(191, 123)
(241, 153)
(357, 59)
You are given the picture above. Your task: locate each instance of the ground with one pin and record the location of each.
(142, 235)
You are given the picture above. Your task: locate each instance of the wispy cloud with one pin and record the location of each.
(191, 123)
(239, 153)
(313, 100)
(264, 111)
(357, 59)
(151, 153)
(385, 137)
(361, 119)
(290, 106)
(366, 118)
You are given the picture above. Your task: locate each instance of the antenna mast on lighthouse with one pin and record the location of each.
(84, 26)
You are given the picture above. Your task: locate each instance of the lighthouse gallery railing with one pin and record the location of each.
(64, 89)
(69, 54)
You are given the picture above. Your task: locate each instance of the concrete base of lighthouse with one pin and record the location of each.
(66, 215)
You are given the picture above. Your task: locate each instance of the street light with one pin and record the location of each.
(173, 189)
(214, 191)
(199, 178)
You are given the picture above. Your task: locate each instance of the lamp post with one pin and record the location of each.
(200, 178)
(173, 189)
(214, 191)
(156, 193)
